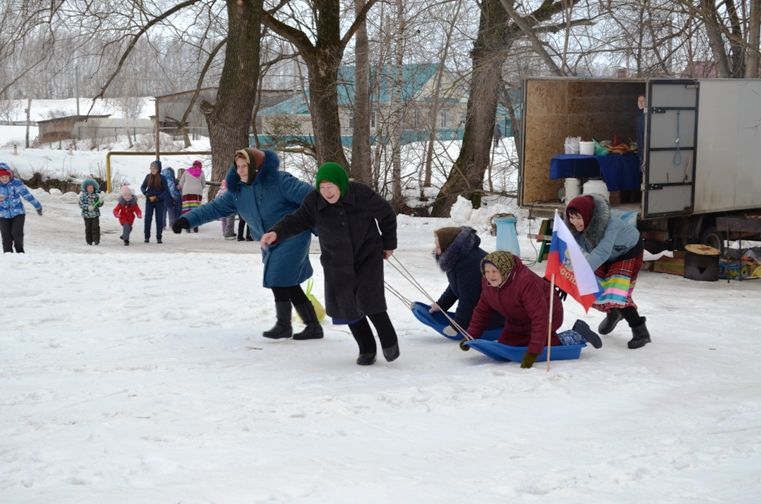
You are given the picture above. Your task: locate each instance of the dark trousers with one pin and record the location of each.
(244, 230)
(158, 209)
(12, 231)
(295, 294)
(92, 230)
(364, 335)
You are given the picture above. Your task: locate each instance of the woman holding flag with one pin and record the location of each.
(613, 248)
(522, 297)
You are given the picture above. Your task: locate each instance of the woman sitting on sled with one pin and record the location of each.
(458, 254)
(523, 298)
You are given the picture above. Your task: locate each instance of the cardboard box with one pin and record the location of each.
(671, 265)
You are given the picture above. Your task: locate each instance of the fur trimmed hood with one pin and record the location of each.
(269, 169)
(466, 241)
(600, 217)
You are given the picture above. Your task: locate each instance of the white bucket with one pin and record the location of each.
(587, 148)
(572, 188)
(597, 187)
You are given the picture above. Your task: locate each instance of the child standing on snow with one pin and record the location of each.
(12, 214)
(125, 210)
(154, 188)
(347, 216)
(90, 203)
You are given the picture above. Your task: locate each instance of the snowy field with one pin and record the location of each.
(139, 375)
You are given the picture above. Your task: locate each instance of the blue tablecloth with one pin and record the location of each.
(620, 172)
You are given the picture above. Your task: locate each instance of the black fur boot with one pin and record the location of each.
(641, 336)
(612, 318)
(313, 329)
(282, 328)
(587, 333)
(366, 341)
(386, 335)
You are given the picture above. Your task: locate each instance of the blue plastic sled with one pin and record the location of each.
(501, 352)
(438, 322)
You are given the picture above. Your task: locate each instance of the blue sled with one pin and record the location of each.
(438, 322)
(501, 352)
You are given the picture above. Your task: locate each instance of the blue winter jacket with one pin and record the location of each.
(461, 261)
(174, 193)
(273, 195)
(11, 194)
(608, 235)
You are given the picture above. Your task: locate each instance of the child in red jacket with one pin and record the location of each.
(125, 210)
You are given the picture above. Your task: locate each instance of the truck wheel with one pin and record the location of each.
(713, 238)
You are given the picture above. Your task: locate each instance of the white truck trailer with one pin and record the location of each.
(701, 178)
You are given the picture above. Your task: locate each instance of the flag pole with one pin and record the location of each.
(549, 324)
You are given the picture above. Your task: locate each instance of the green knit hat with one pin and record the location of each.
(333, 172)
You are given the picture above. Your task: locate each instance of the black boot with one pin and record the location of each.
(587, 333)
(366, 341)
(313, 329)
(386, 335)
(282, 328)
(612, 318)
(641, 336)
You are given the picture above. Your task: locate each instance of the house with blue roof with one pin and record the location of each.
(290, 122)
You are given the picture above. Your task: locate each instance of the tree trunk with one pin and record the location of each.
(752, 54)
(398, 108)
(715, 40)
(435, 98)
(229, 118)
(361, 169)
(491, 49)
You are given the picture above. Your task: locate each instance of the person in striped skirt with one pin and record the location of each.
(613, 247)
(192, 184)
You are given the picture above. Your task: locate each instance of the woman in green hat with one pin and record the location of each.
(347, 217)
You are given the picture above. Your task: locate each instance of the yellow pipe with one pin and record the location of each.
(145, 153)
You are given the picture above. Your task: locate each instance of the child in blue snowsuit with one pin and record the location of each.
(12, 214)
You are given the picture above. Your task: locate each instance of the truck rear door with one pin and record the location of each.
(670, 141)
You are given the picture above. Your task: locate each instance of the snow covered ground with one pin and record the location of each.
(139, 375)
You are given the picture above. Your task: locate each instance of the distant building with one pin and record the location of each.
(82, 127)
(290, 119)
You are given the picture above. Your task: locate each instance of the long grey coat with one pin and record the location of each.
(352, 248)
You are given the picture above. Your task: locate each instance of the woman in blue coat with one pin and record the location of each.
(262, 195)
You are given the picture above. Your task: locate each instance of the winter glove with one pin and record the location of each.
(528, 360)
(463, 346)
(180, 224)
(39, 211)
(561, 293)
(450, 331)
(98, 203)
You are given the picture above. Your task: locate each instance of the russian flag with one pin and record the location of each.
(572, 271)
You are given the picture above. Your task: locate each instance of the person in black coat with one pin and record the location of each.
(155, 189)
(346, 216)
(457, 252)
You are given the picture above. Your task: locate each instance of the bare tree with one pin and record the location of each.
(361, 167)
(322, 50)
